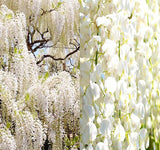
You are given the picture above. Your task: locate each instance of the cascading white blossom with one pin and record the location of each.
(36, 107)
(62, 22)
(26, 125)
(55, 100)
(7, 140)
(120, 74)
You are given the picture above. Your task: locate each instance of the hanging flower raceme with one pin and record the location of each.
(61, 18)
(121, 47)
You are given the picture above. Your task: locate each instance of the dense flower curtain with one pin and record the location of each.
(120, 74)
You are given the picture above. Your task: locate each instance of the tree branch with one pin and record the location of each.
(32, 45)
(57, 59)
(39, 41)
(44, 12)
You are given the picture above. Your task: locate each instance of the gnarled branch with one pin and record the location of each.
(57, 59)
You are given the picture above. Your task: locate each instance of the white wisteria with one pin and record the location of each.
(120, 74)
(39, 104)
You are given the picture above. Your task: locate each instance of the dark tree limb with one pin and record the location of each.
(33, 46)
(39, 41)
(57, 59)
(43, 41)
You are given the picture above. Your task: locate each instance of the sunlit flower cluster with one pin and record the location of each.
(63, 18)
(120, 74)
(34, 106)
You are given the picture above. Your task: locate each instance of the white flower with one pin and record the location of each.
(130, 147)
(124, 51)
(141, 86)
(115, 32)
(109, 46)
(127, 4)
(92, 3)
(109, 98)
(88, 98)
(134, 139)
(90, 147)
(95, 90)
(101, 146)
(108, 110)
(89, 133)
(135, 120)
(140, 111)
(89, 112)
(123, 69)
(105, 127)
(102, 21)
(97, 73)
(121, 88)
(112, 65)
(119, 132)
(149, 122)
(97, 38)
(143, 134)
(110, 84)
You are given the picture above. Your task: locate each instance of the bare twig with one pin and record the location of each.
(71, 62)
(44, 12)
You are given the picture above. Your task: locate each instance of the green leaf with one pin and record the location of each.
(34, 114)
(46, 76)
(21, 113)
(59, 4)
(76, 138)
(15, 112)
(53, 5)
(40, 76)
(74, 70)
(20, 51)
(147, 1)
(27, 97)
(21, 57)
(67, 142)
(16, 50)
(80, 1)
(8, 16)
(8, 125)
(79, 65)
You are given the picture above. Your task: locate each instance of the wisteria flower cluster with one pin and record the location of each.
(120, 74)
(36, 108)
